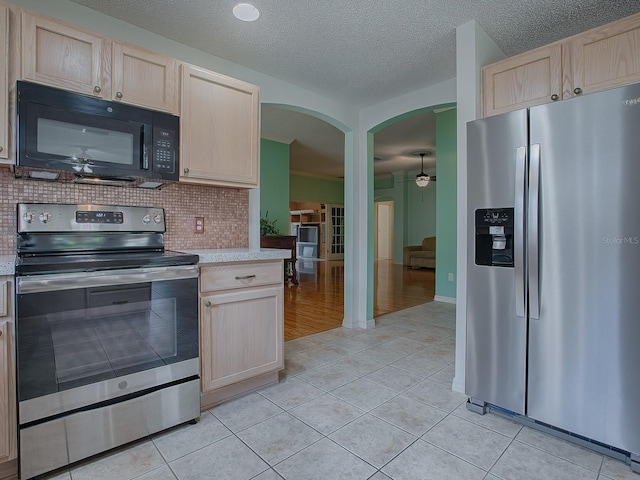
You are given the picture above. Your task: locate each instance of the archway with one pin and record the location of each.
(302, 189)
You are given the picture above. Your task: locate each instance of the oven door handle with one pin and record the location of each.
(69, 281)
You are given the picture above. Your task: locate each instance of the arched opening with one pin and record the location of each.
(302, 196)
(420, 269)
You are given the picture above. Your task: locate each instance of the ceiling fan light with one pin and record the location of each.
(422, 180)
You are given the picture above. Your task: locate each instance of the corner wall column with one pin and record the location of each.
(358, 202)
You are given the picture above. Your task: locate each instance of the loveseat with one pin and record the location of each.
(416, 256)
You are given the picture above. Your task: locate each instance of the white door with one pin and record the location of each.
(384, 228)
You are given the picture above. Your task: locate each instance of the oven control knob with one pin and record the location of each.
(146, 219)
(44, 217)
(28, 217)
(157, 218)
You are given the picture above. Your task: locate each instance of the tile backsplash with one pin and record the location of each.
(225, 210)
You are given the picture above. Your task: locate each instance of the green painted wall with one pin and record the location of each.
(421, 213)
(313, 189)
(446, 203)
(274, 183)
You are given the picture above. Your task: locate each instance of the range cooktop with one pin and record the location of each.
(85, 262)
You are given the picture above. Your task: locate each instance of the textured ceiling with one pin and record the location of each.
(360, 51)
(357, 51)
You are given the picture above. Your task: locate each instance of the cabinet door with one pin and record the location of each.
(8, 434)
(529, 79)
(219, 131)
(144, 78)
(4, 82)
(607, 57)
(241, 335)
(61, 56)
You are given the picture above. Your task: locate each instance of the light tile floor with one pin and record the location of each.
(356, 404)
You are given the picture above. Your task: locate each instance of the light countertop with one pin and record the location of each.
(215, 255)
(218, 255)
(7, 264)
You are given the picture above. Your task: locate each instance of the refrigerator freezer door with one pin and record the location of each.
(496, 335)
(584, 350)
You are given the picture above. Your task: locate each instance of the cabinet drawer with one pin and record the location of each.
(239, 275)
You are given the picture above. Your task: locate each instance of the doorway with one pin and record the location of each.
(384, 231)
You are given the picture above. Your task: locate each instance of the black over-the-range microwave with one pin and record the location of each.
(91, 137)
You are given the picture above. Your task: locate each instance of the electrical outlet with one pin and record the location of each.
(199, 225)
(451, 276)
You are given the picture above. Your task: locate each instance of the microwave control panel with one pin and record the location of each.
(164, 150)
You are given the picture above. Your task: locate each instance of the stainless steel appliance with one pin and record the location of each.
(107, 331)
(91, 137)
(554, 267)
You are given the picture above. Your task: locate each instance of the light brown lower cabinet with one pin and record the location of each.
(8, 436)
(8, 427)
(241, 328)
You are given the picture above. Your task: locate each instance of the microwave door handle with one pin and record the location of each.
(145, 157)
(147, 139)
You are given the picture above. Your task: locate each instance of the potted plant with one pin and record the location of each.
(268, 227)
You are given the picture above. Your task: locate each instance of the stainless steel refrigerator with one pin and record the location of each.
(553, 302)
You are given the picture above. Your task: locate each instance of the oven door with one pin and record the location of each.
(86, 338)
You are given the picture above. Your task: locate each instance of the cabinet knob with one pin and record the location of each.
(186, 170)
(118, 94)
(0, 333)
(207, 304)
(97, 89)
(577, 90)
(1, 148)
(554, 97)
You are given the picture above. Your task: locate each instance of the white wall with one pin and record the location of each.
(474, 48)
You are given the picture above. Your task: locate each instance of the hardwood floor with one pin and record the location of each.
(316, 304)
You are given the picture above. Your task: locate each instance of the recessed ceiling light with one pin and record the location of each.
(246, 12)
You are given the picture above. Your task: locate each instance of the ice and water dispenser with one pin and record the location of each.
(494, 237)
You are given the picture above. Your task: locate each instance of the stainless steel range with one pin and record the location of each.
(107, 331)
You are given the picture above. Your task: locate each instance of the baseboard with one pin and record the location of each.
(9, 470)
(219, 395)
(457, 386)
(371, 323)
(440, 298)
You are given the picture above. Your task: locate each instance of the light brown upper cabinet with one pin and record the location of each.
(601, 58)
(219, 129)
(606, 57)
(63, 56)
(526, 80)
(144, 78)
(4, 83)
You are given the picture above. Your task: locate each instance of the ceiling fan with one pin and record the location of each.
(422, 179)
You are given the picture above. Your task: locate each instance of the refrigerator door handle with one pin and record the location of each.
(519, 240)
(533, 233)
